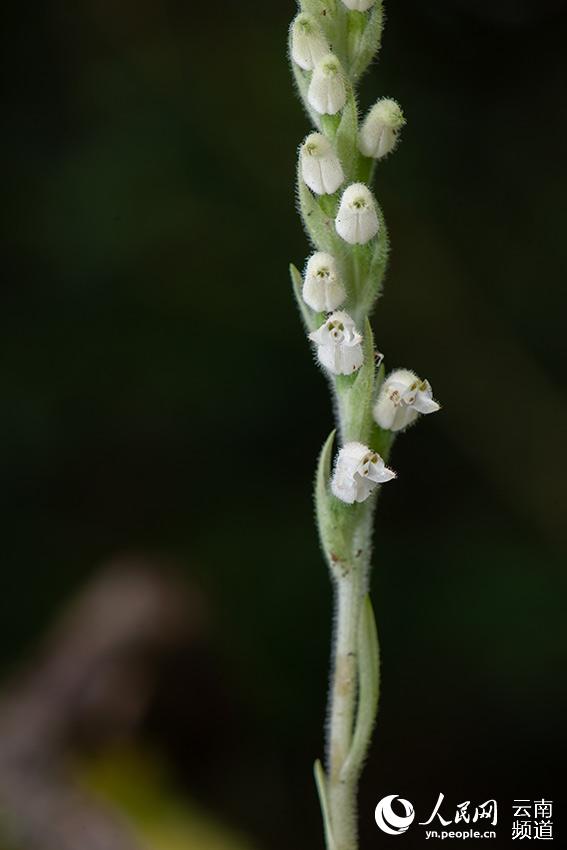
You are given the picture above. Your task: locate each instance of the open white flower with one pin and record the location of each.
(322, 289)
(403, 396)
(327, 91)
(358, 471)
(357, 219)
(320, 166)
(308, 44)
(379, 132)
(339, 345)
(359, 5)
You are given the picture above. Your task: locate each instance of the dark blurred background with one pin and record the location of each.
(159, 399)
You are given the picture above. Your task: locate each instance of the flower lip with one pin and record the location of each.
(322, 288)
(339, 345)
(402, 398)
(357, 219)
(358, 471)
(327, 90)
(321, 169)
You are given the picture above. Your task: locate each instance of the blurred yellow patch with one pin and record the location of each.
(137, 785)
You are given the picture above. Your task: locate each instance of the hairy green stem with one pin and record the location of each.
(342, 792)
(347, 743)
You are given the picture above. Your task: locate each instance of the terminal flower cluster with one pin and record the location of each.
(338, 276)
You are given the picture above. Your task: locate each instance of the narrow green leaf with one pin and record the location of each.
(321, 783)
(377, 267)
(382, 441)
(368, 42)
(356, 400)
(324, 471)
(334, 518)
(307, 314)
(356, 25)
(380, 377)
(318, 225)
(368, 691)
(330, 125)
(346, 139)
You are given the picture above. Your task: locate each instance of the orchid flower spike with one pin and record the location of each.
(308, 44)
(380, 130)
(339, 345)
(358, 471)
(359, 5)
(357, 219)
(320, 166)
(322, 289)
(403, 396)
(327, 90)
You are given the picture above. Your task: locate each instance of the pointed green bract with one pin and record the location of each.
(307, 314)
(377, 267)
(356, 399)
(369, 690)
(318, 225)
(321, 783)
(331, 513)
(369, 41)
(346, 132)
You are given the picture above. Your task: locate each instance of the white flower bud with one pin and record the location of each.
(327, 91)
(322, 289)
(359, 5)
(320, 166)
(339, 345)
(308, 44)
(357, 219)
(380, 129)
(357, 472)
(403, 396)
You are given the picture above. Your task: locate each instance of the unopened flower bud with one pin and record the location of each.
(403, 396)
(322, 289)
(359, 5)
(380, 129)
(320, 166)
(327, 91)
(357, 219)
(339, 345)
(308, 44)
(358, 471)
